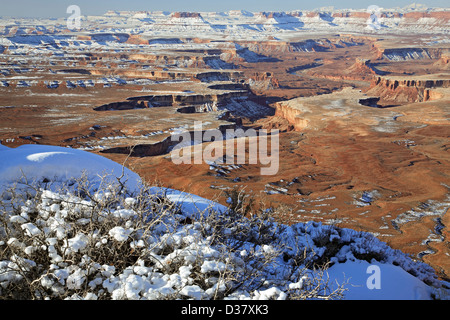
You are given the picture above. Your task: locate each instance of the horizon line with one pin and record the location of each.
(323, 8)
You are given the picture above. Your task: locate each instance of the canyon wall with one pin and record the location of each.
(161, 147)
(407, 89)
(408, 53)
(168, 100)
(292, 115)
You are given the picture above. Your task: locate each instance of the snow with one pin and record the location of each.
(192, 291)
(272, 293)
(209, 266)
(77, 243)
(39, 162)
(395, 283)
(187, 246)
(190, 204)
(120, 234)
(31, 229)
(165, 30)
(39, 157)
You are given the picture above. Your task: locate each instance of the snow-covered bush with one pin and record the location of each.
(79, 242)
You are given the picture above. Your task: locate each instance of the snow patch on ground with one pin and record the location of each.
(39, 162)
(39, 157)
(394, 284)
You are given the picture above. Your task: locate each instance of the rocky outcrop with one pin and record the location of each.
(144, 150)
(406, 89)
(291, 115)
(363, 15)
(125, 105)
(308, 45)
(229, 86)
(363, 69)
(168, 100)
(186, 15)
(158, 148)
(263, 81)
(409, 53)
(439, 15)
(444, 62)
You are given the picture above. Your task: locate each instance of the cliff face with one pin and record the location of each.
(167, 100)
(409, 53)
(291, 115)
(310, 45)
(186, 15)
(444, 62)
(364, 15)
(363, 69)
(263, 81)
(158, 148)
(441, 15)
(407, 89)
(407, 82)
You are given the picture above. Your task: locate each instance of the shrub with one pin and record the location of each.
(76, 241)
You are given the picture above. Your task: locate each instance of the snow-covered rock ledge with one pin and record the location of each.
(114, 240)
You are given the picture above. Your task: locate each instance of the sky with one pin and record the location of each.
(58, 8)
